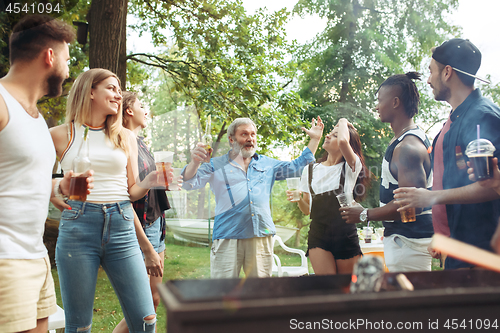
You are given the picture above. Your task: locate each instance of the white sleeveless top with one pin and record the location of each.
(27, 156)
(108, 162)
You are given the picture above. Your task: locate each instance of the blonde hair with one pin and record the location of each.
(79, 106)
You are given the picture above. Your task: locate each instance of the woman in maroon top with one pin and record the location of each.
(151, 208)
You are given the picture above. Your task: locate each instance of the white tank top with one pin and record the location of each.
(27, 156)
(108, 162)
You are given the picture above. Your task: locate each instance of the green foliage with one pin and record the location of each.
(288, 214)
(226, 63)
(137, 74)
(491, 91)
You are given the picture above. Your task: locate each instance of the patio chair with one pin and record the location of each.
(279, 270)
(57, 321)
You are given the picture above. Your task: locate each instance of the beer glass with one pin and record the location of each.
(81, 164)
(407, 215)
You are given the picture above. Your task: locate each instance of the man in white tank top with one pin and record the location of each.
(38, 67)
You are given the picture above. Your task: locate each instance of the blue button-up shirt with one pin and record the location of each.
(242, 198)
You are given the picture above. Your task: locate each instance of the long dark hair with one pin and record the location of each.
(365, 175)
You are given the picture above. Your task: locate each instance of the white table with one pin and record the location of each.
(374, 246)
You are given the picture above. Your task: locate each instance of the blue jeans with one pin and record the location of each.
(153, 232)
(101, 234)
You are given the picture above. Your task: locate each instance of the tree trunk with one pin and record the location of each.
(219, 137)
(107, 33)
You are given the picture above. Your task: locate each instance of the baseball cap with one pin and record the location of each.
(461, 55)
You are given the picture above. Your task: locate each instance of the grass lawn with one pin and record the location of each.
(181, 262)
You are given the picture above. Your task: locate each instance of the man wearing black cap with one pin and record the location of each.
(461, 209)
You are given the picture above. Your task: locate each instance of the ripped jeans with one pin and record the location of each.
(102, 234)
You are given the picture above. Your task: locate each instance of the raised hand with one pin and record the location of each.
(199, 154)
(316, 130)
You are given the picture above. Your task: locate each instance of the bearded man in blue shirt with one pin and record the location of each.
(242, 181)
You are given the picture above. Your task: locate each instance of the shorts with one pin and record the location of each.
(153, 232)
(255, 255)
(403, 255)
(342, 242)
(26, 293)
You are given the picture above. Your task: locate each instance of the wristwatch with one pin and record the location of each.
(363, 216)
(57, 190)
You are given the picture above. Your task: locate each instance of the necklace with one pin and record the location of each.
(401, 132)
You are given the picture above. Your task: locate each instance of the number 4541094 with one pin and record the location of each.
(40, 8)
(471, 324)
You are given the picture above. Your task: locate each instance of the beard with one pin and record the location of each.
(245, 153)
(54, 85)
(443, 94)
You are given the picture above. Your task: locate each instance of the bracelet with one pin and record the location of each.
(57, 190)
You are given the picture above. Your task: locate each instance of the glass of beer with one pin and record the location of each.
(81, 164)
(78, 188)
(293, 186)
(480, 153)
(163, 161)
(407, 215)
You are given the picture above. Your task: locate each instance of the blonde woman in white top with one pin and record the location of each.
(102, 230)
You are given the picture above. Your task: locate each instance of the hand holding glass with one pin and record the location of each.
(407, 215)
(293, 186)
(207, 138)
(177, 181)
(81, 164)
(480, 153)
(163, 160)
(345, 199)
(207, 141)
